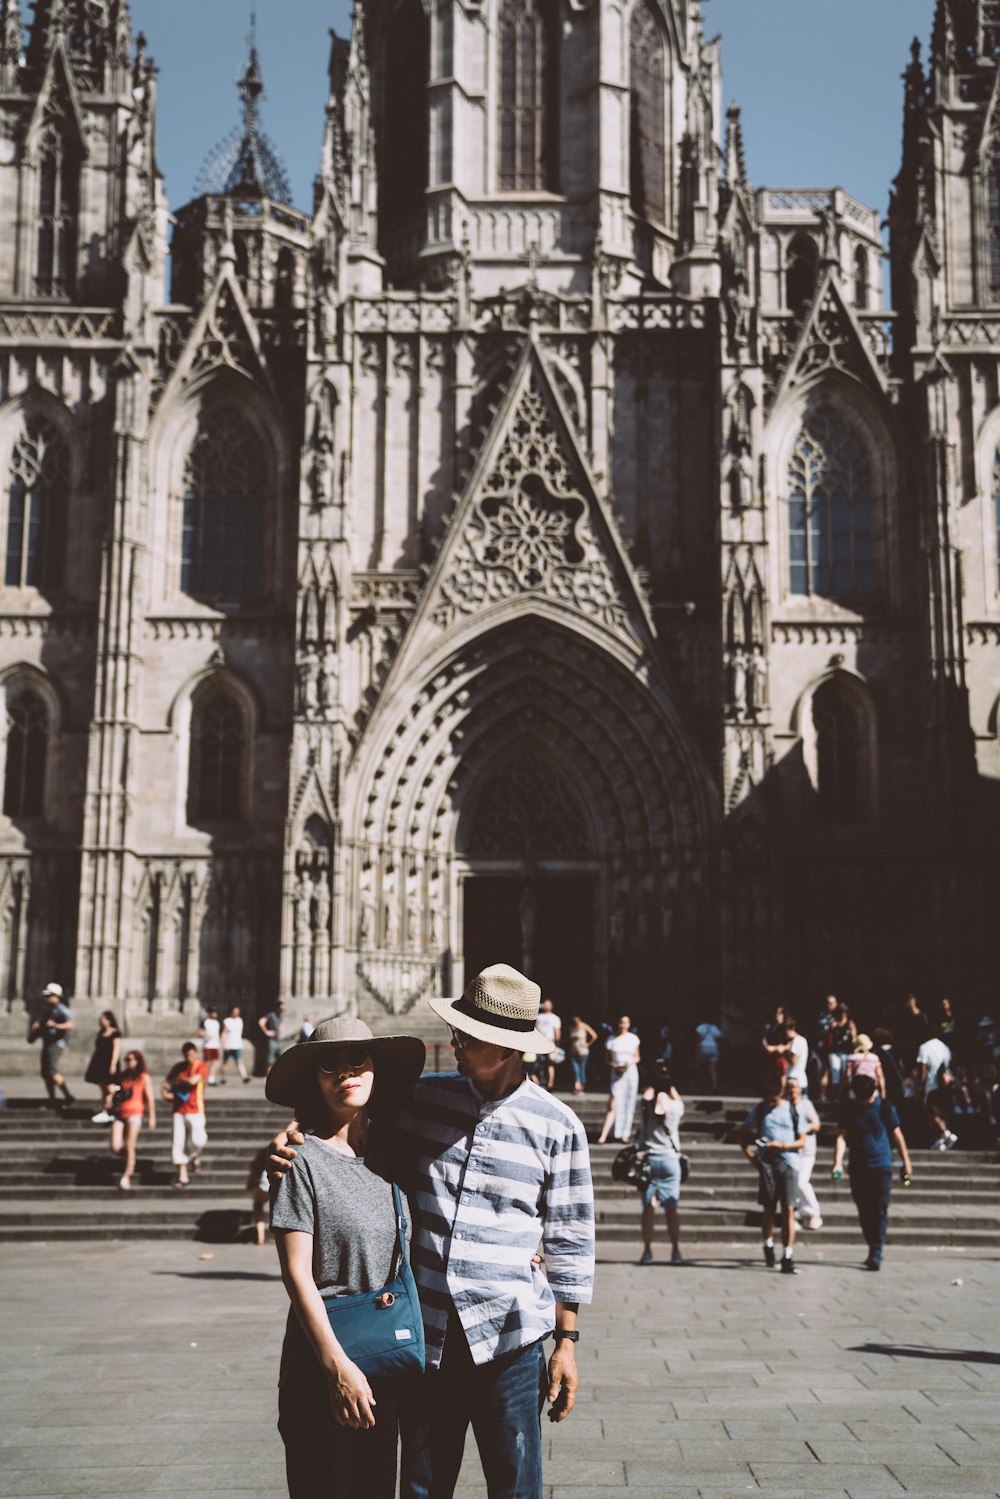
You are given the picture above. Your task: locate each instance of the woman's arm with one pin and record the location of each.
(116, 1052)
(351, 1399)
(150, 1099)
(591, 1033)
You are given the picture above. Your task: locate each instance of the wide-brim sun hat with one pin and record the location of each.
(398, 1060)
(501, 1006)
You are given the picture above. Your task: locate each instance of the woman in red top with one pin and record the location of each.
(133, 1099)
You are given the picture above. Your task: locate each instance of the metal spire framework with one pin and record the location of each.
(245, 164)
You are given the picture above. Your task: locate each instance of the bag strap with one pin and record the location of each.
(399, 1260)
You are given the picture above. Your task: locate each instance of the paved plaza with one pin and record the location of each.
(151, 1368)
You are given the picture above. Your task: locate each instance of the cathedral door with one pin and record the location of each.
(543, 925)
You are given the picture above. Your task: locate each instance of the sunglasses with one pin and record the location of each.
(353, 1058)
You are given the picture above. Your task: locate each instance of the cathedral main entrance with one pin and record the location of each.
(542, 923)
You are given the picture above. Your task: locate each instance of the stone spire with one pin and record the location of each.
(245, 164)
(736, 165)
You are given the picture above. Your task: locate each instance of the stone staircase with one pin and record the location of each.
(60, 1181)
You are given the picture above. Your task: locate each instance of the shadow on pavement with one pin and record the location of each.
(218, 1274)
(908, 1350)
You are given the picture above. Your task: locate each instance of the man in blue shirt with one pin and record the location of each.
(869, 1127)
(52, 1029)
(772, 1139)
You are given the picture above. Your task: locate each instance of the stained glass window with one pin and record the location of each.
(222, 547)
(36, 507)
(831, 544)
(27, 749)
(647, 149)
(527, 96)
(841, 780)
(218, 748)
(58, 211)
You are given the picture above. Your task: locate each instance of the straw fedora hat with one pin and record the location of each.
(500, 1006)
(399, 1060)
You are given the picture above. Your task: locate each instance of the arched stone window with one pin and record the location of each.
(225, 479)
(37, 494)
(27, 754)
(527, 106)
(217, 762)
(58, 213)
(861, 279)
(405, 134)
(647, 105)
(993, 220)
(801, 273)
(284, 280)
(842, 772)
(831, 544)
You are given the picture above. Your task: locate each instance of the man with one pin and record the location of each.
(498, 1165)
(232, 1044)
(869, 1127)
(52, 1029)
(184, 1087)
(270, 1028)
(934, 1083)
(810, 1122)
(549, 1025)
(707, 1038)
(210, 1032)
(771, 1140)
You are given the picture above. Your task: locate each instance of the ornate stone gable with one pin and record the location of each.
(831, 341)
(531, 523)
(224, 336)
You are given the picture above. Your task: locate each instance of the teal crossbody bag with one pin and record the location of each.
(382, 1331)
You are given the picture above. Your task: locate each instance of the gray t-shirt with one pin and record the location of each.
(349, 1212)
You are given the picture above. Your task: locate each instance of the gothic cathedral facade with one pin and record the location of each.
(549, 548)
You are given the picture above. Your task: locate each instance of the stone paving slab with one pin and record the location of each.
(149, 1368)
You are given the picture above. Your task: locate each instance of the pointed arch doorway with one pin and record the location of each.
(529, 881)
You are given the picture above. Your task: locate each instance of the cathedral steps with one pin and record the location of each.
(61, 1182)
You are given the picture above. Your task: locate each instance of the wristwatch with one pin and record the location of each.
(568, 1337)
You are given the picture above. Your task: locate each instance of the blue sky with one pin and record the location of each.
(818, 82)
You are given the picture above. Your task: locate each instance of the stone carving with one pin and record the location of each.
(529, 531)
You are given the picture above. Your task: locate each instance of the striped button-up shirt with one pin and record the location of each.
(492, 1179)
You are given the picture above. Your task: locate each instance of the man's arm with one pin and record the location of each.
(838, 1152)
(568, 1248)
(901, 1146)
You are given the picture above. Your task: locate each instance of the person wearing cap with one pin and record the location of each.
(334, 1222)
(52, 1029)
(497, 1165)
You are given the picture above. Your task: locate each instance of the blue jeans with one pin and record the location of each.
(580, 1070)
(871, 1189)
(502, 1402)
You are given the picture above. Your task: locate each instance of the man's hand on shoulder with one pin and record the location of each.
(281, 1153)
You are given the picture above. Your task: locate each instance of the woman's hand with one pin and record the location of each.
(351, 1400)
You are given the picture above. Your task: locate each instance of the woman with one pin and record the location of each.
(335, 1226)
(659, 1138)
(132, 1099)
(581, 1038)
(863, 1062)
(623, 1063)
(104, 1067)
(232, 1044)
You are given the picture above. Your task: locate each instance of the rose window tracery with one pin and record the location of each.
(530, 531)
